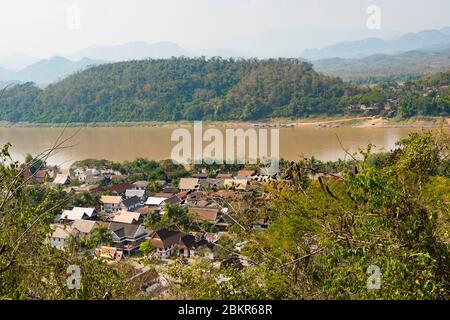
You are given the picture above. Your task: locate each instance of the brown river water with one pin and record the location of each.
(128, 143)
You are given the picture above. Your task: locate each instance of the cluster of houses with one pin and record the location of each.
(388, 107)
(124, 207)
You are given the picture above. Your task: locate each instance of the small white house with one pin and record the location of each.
(127, 217)
(60, 236)
(111, 203)
(141, 185)
(78, 213)
(191, 184)
(61, 179)
(155, 201)
(84, 228)
(135, 193)
(165, 242)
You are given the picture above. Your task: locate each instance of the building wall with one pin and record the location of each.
(109, 207)
(165, 253)
(57, 243)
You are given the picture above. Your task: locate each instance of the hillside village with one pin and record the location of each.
(124, 211)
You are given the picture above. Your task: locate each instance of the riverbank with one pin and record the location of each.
(409, 123)
(373, 122)
(318, 122)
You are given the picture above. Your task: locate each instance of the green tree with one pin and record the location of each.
(146, 247)
(100, 236)
(35, 164)
(322, 238)
(29, 268)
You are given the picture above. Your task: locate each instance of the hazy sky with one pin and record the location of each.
(39, 27)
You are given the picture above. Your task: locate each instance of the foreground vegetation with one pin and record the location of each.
(390, 210)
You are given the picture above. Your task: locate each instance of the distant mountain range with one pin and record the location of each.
(17, 61)
(131, 51)
(23, 68)
(404, 66)
(5, 84)
(411, 54)
(371, 46)
(46, 71)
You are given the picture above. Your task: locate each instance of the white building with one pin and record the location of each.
(135, 192)
(111, 203)
(60, 236)
(165, 241)
(78, 213)
(155, 201)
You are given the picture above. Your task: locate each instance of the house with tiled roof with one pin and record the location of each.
(148, 210)
(155, 201)
(130, 204)
(247, 174)
(110, 203)
(110, 253)
(84, 227)
(127, 217)
(183, 194)
(126, 236)
(141, 185)
(202, 214)
(60, 236)
(61, 179)
(186, 245)
(165, 241)
(189, 184)
(120, 188)
(171, 190)
(189, 246)
(172, 200)
(229, 194)
(135, 192)
(215, 183)
(163, 195)
(160, 202)
(40, 176)
(79, 213)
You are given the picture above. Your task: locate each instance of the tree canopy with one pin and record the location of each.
(180, 88)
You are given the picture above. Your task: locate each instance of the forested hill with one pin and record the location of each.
(180, 88)
(381, 67)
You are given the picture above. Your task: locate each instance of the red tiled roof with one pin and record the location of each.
(182, 194)
(204, 214)
(163, 195)
(246, 173)
(121, 188)
(42, 174)
(147, 210)
(165, 238)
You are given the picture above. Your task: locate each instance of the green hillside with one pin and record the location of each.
(213, 89)
(180, 88)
